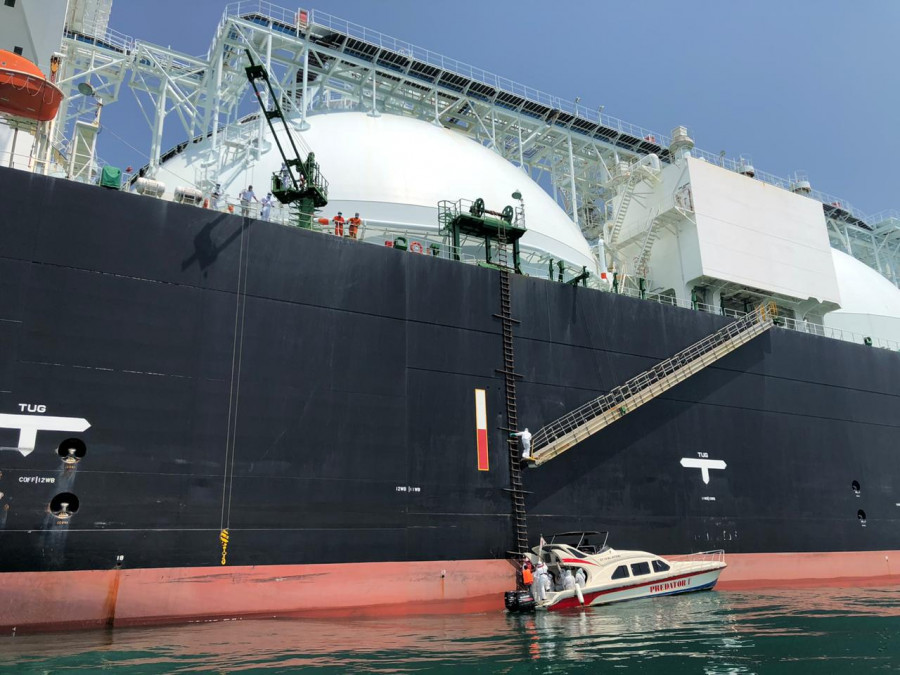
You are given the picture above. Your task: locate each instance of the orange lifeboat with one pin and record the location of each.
(24, 91)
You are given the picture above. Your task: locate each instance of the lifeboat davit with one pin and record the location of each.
(24, 91)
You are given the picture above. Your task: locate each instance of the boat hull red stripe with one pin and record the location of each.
(590, 597)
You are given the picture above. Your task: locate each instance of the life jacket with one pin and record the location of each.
(527, 576)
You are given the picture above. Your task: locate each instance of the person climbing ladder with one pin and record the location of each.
(525, 439)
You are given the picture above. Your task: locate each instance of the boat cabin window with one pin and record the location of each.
(621, 572)
(640, 568)
(575, 552)
(660, 566)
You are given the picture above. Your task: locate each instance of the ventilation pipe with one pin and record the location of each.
(682, 144)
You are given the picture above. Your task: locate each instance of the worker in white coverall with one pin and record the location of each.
(568, 580)
(266, 209)
(580, 577)
(525, 438)
(216, 198)
(538, 590)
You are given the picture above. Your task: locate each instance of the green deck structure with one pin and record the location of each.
(472, 219)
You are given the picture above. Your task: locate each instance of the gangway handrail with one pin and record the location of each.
(649, 384)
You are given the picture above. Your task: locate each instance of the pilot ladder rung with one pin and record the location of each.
(574, 427)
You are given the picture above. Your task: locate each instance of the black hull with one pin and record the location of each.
(314, 396)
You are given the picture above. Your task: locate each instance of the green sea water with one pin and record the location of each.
(817, 631)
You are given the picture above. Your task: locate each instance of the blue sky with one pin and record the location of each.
(797, 85)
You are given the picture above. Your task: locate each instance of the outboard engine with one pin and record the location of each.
(519, 601)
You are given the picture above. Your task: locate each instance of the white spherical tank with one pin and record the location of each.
(870, 304)
(394, 169)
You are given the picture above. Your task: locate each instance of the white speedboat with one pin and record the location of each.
(613, 576)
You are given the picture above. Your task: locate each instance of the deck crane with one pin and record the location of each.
(305, 185)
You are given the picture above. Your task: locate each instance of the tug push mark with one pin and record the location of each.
(30, 425)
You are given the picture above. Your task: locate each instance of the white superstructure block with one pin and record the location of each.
(760, 236)
(35, 28)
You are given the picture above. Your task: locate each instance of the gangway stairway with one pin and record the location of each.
(574, 427)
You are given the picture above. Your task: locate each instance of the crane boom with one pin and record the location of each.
(303, 183)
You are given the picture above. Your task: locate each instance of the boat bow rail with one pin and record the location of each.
(574, 427)
(717, 555)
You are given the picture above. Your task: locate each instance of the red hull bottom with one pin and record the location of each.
(35, 601)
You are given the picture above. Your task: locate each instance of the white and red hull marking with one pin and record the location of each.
(481, 434)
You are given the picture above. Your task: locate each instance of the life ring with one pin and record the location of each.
(416, 247)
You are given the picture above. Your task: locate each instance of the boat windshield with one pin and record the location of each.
(586, 542)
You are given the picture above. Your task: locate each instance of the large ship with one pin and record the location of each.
(210, 409)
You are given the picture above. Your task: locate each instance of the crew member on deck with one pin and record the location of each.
(247, 196)
(216, 197)
(525, 438)
(568, 581)
(266, 209)
(354, 225)
(338, 221)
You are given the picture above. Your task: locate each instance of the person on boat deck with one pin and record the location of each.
(338, 221)
(527, 574)
(354, 225)
(580, 578)
(285, 177)
(568, 580)
(540, 576)
(557, 580)
(216, 197)
(266, 209)
(247, 196)
(525, 438)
